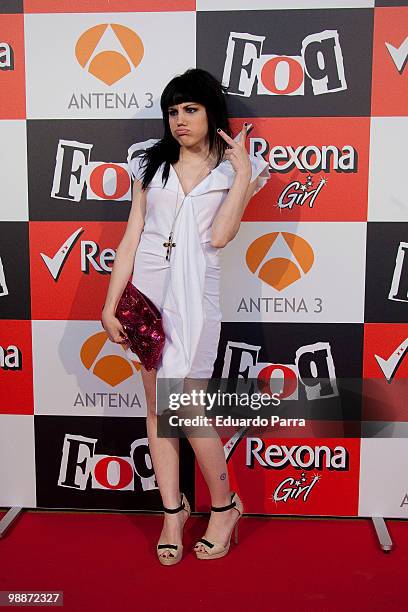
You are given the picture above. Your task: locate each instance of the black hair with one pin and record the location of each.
(194, 85)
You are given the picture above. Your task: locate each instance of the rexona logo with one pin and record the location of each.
(312, 374)
(112, 369)
(390, 366)
(299, 457)
(308, 158)
(91, 256)
(264, 258)
(320, 60)
(399, 285)
(295, 488)
(112, 473)
(6, 56)
(75, 173)
(3, 284)
(109, 51)
(11, 358)
(399, 55)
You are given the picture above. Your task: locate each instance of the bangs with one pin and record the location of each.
(179, 91)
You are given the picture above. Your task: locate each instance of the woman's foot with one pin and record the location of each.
(172, 531)
(219, 527)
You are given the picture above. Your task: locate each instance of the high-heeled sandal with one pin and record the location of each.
(215, 550)
(176, 550)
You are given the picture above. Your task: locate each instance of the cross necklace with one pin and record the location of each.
(169, 245)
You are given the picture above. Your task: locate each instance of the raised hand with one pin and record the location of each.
(236, 152)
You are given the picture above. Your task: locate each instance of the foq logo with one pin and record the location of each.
(82, 468)
(6, 56)
(109, 51)
(312, 374)
(112, 369)
(320, 61)
(280, 258)
(75, 174)
(3, 283)
(399, 285)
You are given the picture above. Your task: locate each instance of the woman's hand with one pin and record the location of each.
(236, 153)
(114, 328)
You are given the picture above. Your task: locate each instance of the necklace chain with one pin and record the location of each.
(170, 244)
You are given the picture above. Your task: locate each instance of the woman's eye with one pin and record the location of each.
(172, 112)
(192, 109)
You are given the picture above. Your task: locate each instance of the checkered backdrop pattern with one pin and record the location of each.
(315, 283)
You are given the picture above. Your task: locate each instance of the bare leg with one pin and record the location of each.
(165, 458)
(209, 452)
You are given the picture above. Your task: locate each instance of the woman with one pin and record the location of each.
(190, 191)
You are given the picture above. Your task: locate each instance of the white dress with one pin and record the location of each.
(186, 290)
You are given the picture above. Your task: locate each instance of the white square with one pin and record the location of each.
(319, 278)
(383, 474)
(387, 187)
(79, 78)
(78, 372)
(17, 461)
(13, 170)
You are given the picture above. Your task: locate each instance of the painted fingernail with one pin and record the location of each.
(218, 129)
(245, 124)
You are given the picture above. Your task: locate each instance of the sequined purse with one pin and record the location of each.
(142, 322)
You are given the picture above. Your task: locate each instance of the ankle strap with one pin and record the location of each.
(174, 510)
(222, 508)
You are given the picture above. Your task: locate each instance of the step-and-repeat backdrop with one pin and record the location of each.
(316, 282)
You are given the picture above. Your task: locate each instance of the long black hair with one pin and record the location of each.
(194, 85)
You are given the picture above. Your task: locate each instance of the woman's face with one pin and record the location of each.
(188, 123)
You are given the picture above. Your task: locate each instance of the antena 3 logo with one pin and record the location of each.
(280, 272)
(96, 52)
(74, 172)
(79, 461)
(110, 52)
(320, 60)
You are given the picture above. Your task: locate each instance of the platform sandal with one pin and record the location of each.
(215, 550)
(176, 550)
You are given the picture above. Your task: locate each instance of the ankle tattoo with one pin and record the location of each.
(223, 476)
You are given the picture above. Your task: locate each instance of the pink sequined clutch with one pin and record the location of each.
(142, 322)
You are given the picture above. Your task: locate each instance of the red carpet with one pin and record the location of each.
(106, 562)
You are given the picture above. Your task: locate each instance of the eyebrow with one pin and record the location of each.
(186, 105)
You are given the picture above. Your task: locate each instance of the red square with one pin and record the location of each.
(319, 168)
(385, 371)
(70, 267)
(305, 476)
(16, 368)
(12, 67)
(390, 72)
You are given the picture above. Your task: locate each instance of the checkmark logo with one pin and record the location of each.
(56, 263)
(390, 366)
(399, 54)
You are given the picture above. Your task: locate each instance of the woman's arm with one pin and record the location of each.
(228, 219)
(125, 253)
